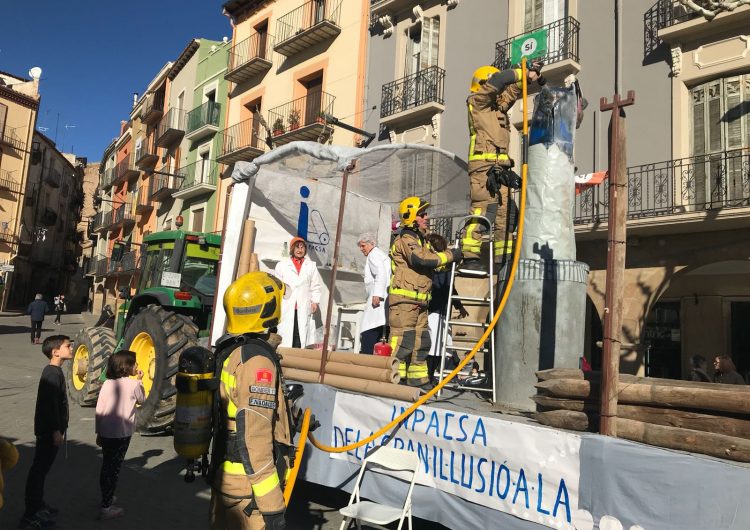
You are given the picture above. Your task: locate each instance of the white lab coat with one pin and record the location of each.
(377, 280)
(302, 289)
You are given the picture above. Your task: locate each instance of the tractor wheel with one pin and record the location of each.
(93, 346)
(158, 336)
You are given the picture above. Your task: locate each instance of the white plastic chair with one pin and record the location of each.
(373, 512)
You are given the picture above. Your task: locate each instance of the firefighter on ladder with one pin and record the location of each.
(247, 491)
(493, 93)
(412, 264)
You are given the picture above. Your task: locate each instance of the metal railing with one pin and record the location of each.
(7, 236)
(174, 119)
(108, 177)
(101, 265)
(160, 183)
(154, 103)
(122, 169)
(207, 114)
(248, 133)
(8, 183)
(307, 16)
(422, 87)
(300, 112)
(700, 183)
(663, 14)
(123, 213)
(197, 173)
(9, 137)
(145, 148)
(256, 46)
(562, 43)
(128, 261)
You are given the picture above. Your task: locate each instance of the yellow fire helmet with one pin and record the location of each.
(253, 303)
(481, 75)
(410, 208)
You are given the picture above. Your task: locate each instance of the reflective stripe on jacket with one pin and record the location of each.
(413, 263)
(489, 125)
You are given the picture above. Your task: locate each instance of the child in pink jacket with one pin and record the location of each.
(115, 422)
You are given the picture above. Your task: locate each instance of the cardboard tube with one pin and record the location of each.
(245, 247)
(254, 265)
(349, 370)
(375, 361)
(359, 386)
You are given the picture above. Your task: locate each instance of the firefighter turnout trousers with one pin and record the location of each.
(495, 209)
(410, 340)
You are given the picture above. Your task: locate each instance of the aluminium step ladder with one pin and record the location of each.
(448, 324)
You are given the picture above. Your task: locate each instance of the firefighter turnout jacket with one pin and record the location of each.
(249, 483)
(413, 263)
(489, 125)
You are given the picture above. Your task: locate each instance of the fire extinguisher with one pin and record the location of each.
(382, 348)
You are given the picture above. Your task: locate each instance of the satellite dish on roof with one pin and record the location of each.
(35, 73)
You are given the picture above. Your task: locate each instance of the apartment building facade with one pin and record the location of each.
(687, 272)
(291, 64)
(19, 104)
(49, 241)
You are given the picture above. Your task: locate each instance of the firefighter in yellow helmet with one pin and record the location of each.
(493, 93)
(256, 438)
(412, 264)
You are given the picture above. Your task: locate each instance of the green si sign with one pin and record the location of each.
(530, 46)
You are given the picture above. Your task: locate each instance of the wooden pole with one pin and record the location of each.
(246, 248)
(334, 270)
(616, 235)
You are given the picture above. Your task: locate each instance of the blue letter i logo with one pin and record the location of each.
(304, 213)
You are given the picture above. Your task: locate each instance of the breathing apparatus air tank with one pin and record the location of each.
(196, 385)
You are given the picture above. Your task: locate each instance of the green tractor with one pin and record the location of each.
(170, 311)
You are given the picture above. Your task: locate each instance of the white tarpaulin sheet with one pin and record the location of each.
(527, 471)
(296, 189)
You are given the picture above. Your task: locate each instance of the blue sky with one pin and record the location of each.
(95, 54)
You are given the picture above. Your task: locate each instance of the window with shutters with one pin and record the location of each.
(423, 45)
(721, 124)
(537, 13)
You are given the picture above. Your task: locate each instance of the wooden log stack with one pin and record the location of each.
(364, 374)
(707, 418)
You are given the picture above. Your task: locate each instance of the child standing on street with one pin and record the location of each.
(50, 424)
(115, 423)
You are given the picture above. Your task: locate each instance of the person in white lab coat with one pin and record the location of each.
(377, 279)
(301, 276)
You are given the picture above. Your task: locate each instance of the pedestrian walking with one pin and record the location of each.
(303, 290)
(115, 423)
(377, 278)
(50, 424)
(59, 308)
(36, 310)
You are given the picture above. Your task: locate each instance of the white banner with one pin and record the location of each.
(527, 471)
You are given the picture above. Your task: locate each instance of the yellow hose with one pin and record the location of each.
(292, 478)
(485, 336)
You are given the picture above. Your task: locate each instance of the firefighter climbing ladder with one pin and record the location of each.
(449, 325)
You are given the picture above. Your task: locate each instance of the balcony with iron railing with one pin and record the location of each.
(8, 183)
(122, 216)
(53, 177)
(241, 141)
(691, 188)
(146, 154)
(415, 96)
(90, 268)
(301, 119)
(199, 178)
(561, 58)
(107, 219)
(162, 186)
(153, 108)
(125, 265)
(311, 23)
(102, 264)
(108, 176)
(9, 137)
(97, 222)
(203, 121)
(674, 21)
(250, 58)
(143, 202)
(124, 170)
(7, 236)
(171, 128)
